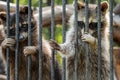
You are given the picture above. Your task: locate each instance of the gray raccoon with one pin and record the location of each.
(24, 50)
(67, 49)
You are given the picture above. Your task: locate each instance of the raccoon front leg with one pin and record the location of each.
(30, 50)
(54, 45)
(59, 47)
(8, 42)
(87, 37)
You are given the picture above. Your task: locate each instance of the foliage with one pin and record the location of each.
(58, 38)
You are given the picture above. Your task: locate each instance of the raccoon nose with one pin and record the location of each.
(21, 37)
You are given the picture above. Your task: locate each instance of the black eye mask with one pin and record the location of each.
(92, 26)
(24, 27)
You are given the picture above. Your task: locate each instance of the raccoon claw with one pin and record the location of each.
(54, 45)
(88, 38)
(8, 42)
(29, 50)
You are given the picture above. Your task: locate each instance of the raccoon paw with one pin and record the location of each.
(8, 42)
(54, 45)
(86, 37)
(29, 50)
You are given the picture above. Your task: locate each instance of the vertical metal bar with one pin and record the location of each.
(64, 68)
(64, 20)
(99, 39)
(29, 38)
(49, 28)
(8, 28)
(111, 41)
(40, 39)
(16, 38)
(52, 37)
(64, 37)
(76, 39)
(86, 45)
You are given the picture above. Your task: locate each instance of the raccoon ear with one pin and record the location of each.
(24, 10)
(80, 5)
(104, 6)
(3, 16)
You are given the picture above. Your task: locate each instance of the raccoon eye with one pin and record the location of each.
(93, 26)
(24, 27)
(81, 24)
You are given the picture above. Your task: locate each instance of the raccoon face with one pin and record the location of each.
(92, 27)
(2, 34)
(23, 23)
(92, 16)
(92, 11)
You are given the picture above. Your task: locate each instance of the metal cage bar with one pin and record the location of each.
(86, 45)
(111, 41)
(64, 37)
(17, 41)
(40, 39)
(76, 39)
(8, 28)
(52, 37)
(99, 39)
(29, 38)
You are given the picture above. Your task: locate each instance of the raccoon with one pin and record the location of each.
(24, 50)
(67, 49)
(3, 77)
(2, 62)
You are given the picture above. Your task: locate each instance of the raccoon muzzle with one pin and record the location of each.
(23, 36)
